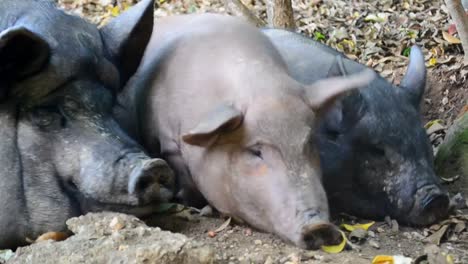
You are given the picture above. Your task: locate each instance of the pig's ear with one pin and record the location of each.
(22, 53)
(414, 81)
(126, 37)
(324, 92)
(345, 113)
(224, 118)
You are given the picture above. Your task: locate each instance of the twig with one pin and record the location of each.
(457, 12)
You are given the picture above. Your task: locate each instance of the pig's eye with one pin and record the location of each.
(255, 151)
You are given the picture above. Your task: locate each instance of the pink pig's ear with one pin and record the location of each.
(323, 92)
(222, 119)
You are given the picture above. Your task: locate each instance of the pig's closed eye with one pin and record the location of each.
(255, 151)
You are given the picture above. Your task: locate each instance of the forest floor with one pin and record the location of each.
(378, 34)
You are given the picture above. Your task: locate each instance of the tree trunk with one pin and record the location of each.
(236, 7)
(457, 12)
(280, 14)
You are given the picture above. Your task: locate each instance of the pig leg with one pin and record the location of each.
(188, 193)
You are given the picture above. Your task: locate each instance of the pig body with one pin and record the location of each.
(375, 155)
(214, 96)
(61, 152)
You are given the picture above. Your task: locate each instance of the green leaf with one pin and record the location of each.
(406, 52)
(318, 36)
(165, 207)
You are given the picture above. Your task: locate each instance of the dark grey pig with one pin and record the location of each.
(61, 152)
(375, 155)
(219, 99)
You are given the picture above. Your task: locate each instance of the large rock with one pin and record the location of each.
(115, 238)
(452, 156)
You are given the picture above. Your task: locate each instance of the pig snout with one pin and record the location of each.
(317, 231)
(430, 205)
(152, 180)
(318, 234)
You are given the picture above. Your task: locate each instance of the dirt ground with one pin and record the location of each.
(447, 94)
(238, 243)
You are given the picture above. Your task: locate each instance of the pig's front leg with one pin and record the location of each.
(187, 192)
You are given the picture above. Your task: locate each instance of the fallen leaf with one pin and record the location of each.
(223, 226)
(165, 207)
(351, 228)
(383, 259)
(336, 248)
(450, 39)
(437, 236)
(430, 123)
(432, 62)
(115, 11)
(56, 236)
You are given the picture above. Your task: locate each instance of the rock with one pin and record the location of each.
(97, 238)
(452, 156)
(374, 244)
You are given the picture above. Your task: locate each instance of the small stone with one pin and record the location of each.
(380, 229)
(248, 232)
(395, 226)
(211, 234)
(371, 233)
(257, 242)
(268, 260)
(116, 224)
(374, 244)
(122, 247)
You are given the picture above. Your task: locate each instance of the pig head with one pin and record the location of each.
(375, 155)
(214, 95)
(61, 152)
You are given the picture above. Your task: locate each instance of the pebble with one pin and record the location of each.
(371, 233)
(257, 242)
(211, 234)
(116, 224)
(374, 244)
(206, 211)
(269, 260)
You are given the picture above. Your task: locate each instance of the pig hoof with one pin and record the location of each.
(316, 235)
(154, 181)
(56, 236)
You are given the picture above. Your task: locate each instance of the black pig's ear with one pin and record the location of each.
(126, 37)
(222, 119)
(22, 53)
(414, 81)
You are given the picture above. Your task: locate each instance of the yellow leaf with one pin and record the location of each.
(115, 11)
(382, 259)
(336, 248)
(125, 6)
(432, 62)
(450, 39)
(351, 228)
(431, 123)
(449, 259)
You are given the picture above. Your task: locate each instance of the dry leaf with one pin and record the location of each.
(437, 236)
(223, 226)
(450, 39)
(56, 236)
